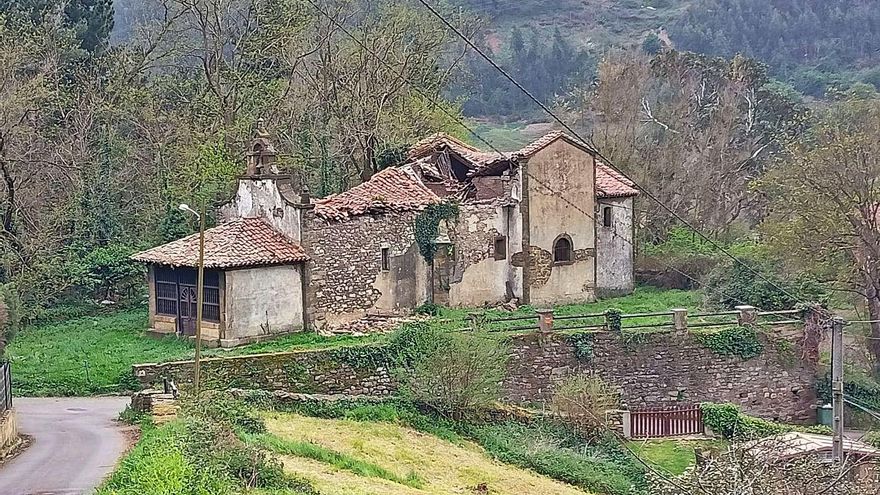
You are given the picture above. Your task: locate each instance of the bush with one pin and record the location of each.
(733, 341)
(584, 400)
(728, 421)
(554, 451)
(107, 272)
(222, 407)
(429, 309)
(731, 284)
(457, 374)
(10, 315)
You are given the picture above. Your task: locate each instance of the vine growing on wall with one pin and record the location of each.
(613, 320)
(734, 341)
(583, 346)
(427, 227)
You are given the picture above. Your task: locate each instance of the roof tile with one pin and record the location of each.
(244, 242)
(391, 189)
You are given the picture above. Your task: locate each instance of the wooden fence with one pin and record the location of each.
(668, 422)
(5, 387)
(672, 320)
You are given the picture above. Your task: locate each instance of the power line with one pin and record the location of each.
(608, 162)
(457, 119)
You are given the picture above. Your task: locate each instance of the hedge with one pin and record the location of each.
(731, 423)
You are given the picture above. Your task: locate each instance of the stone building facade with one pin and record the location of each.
(547, 224)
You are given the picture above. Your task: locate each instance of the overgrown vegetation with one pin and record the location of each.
(583, 402)
(201, 453)
(731, 423)
(741, 341)
(427, 227)
(454, 373)
(548, 448)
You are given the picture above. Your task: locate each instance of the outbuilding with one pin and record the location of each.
(247, 264)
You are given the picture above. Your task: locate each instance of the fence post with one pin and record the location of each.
(748, 315)
(680, 319)
(626, 423)
(545, 320)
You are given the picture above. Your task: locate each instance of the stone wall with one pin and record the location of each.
(8, 432)
(354, 371)
(658, 370)
(557, 177)
(614, 248)
(346, 278)
(670, 368)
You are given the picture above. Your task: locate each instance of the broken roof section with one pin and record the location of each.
(392, 189)
(440, 166)
(241, 243)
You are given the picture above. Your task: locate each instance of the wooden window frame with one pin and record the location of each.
(556, 246)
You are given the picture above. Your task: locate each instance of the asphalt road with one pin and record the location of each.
(76, 444)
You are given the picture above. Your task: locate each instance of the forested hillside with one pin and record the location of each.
(816, 46)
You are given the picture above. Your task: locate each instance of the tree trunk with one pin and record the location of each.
(873, 300)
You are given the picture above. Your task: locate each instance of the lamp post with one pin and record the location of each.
(200, 290)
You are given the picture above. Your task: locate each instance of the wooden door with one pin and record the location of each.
(187, 308)
(443, 260)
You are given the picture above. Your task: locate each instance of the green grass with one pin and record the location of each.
(158, 466)
(93, 355)
(86, 356)
(672, 456)
(338, 460)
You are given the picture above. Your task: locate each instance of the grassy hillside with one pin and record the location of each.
(414, 459)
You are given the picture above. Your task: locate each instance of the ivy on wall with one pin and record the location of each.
(583, 346)
(427, 227)
(613, 320)
(733, 341)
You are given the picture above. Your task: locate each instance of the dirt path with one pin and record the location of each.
(76, 443)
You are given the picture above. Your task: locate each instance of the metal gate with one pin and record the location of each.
(5, 386)
(667, 422)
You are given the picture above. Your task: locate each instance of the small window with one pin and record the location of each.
(606, 216)
(562, 250)
(386, 259)
(501, 247)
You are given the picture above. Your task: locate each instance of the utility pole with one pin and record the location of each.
(200, 295)
(837, 387)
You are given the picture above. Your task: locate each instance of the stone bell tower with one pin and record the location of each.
(261, 155)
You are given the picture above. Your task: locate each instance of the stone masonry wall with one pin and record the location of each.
(658, 370)
(345, 276)
(314, 372)
(668, 369)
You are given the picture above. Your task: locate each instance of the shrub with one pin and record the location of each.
(107, 272)
(728, 421)
(554, 451)
(220, 406)
(458, 373)
(584, 400)
(731, 284)
(10, 315)
(733, 341)
(429, 308)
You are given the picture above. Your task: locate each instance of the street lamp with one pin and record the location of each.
(200, 290)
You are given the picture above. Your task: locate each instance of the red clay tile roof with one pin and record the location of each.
(244, 242)
(610, 184)
(391, 189)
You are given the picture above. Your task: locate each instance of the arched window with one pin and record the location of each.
(562, 249)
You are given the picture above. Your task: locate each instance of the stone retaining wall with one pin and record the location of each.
(652, 371)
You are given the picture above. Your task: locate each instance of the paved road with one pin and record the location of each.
(76, 444)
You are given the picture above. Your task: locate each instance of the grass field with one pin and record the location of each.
(672, 456)
(93, 355)
(441, 467)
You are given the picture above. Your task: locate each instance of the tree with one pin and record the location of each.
(696, 130)
(825, 203)
(90, 20)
